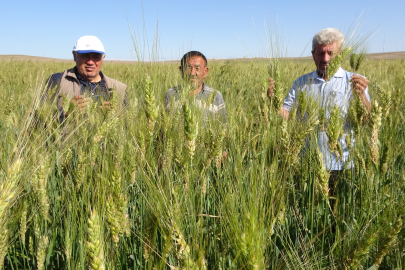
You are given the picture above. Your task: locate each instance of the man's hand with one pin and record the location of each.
(77, 102)
(359, 85)
(224, 155)
(270, 89)
(106, 105)
(80, 102)
(224, 158)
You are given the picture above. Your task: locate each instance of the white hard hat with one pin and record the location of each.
(88, 44)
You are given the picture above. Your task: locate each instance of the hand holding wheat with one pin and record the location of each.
(274, 91)
(270, 89)
(106, 105)
(359, 84)
(80, 102)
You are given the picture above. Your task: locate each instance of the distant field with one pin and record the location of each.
(375, 56)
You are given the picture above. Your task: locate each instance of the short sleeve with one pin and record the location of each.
(170, 94)
(291, 97)
(53, 81)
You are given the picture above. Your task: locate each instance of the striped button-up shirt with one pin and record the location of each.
(209, 100)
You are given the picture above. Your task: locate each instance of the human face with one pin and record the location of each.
(322, 54)
(195, 71)
(88, 65)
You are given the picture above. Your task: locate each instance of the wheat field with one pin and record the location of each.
(143, 188)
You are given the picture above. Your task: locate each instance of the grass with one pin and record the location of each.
(147, 189)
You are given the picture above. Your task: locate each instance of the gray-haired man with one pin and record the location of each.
(194, 69)
(337, 91)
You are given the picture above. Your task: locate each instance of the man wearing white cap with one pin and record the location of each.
(85, 81)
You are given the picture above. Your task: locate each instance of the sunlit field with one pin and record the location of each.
(143, 188)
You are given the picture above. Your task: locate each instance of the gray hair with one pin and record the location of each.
(328, 36)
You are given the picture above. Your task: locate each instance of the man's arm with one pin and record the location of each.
(52, 83)
(170, 98)
(167, 100)
(284, 113)
(359, 85)
(222, 113)
(223, 118)
(53, 80)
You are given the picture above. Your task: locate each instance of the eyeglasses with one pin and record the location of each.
(95, 57)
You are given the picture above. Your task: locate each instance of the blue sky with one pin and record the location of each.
(219, 29)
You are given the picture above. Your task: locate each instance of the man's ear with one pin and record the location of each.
(206, 72)
(181, 71)
(74, 56)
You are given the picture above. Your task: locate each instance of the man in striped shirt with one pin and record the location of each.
(194, 69)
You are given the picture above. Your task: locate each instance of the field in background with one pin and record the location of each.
(371, 56)
(142, 188)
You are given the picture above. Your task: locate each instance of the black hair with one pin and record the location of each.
(183, 61)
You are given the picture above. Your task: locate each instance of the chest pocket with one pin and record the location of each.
(341, 99)
(338, 93)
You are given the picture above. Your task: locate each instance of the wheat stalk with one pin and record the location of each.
(190, 130)
(389, 242)
(376, 115)
(335, 63)
(334, 130)
(151, 109)
(95, 243)
(278, 90)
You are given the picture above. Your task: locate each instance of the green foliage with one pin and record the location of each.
(335, 62)
(334, 130)
(356, 60)
(137, 189)
(279, 89)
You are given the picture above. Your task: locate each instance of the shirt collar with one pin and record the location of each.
(203, 88)
(339, 73)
